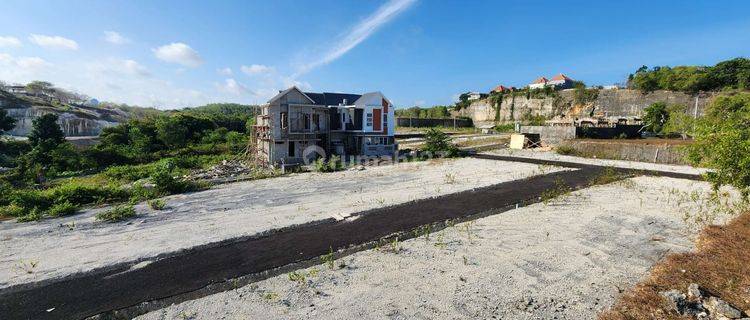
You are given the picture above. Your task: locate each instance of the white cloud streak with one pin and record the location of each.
(254, 69)
(115, 38)
(10, 42)
(179, 53)
(225, 71)
(54, 42)
(360, 32)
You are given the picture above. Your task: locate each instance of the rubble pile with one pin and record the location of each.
(697, 304)
(226, 169)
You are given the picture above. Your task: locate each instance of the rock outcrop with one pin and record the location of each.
(74, 120)
(612, 102)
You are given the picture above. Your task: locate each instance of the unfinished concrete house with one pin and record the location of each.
(340, 124)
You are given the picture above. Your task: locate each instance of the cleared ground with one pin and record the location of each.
(55, 248)
(566, 259)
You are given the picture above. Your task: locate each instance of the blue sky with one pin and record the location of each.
(173, 54)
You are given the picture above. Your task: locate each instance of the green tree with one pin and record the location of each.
(679, 121)
(656, 116)
(439, 142)
(722, 142)
(6, 122)
(45, 131)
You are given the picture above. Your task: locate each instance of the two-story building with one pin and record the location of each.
(340, 124)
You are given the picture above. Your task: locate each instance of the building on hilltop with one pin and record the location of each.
(559, 81)
(296, 126)
(502, 88)
(539, 83)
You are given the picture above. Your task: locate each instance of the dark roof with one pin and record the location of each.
(332, 99)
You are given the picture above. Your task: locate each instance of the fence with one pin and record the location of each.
(429, 122)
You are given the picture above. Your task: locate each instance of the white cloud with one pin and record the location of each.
(231, 86)
(134, 68)
(23, 63)
(115, 38)
(32, 63)
(179, 53)
(360, 32)
(419, 103)
(55, 42)
(12, 42)
(254, 69)
(225, 71)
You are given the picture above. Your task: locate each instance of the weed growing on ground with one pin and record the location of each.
(116, 214)
(566, 150)
(270, 296)
(157, 204)
(423, 231)
(450, 178)
(297, 277)
(560, 189)
(186, 315)
(440, 243)
(63, 209)
(468, 228)
(328, 258)
(608, 175)
(27, 266)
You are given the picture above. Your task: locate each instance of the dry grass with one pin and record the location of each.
(720, 265)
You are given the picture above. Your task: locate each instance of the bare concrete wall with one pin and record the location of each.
(624, 150)
(551, 136)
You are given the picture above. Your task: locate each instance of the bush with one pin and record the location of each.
(129, 172)
(80, 193)
(63, 209)
(165, 182)
(116, 214)
(566, 150)
(722, 142)
(157, 204)
(12, 210)
(438, 142)
(36, 214)
(656, 116)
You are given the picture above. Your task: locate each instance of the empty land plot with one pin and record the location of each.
(55, 248)
(567, 259)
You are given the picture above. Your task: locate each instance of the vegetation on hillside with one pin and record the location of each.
(730, 74)
(435, 112)
(138, 160)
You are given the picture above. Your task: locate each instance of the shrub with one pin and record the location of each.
(36, 214)
(439, 142)
(157, 204)
(129, 172)
(566, 150)
(656, 116)
(116, 214)
(62, 209)
(12, 210)
(79, 193)
(722, 142)
(165, 182)
(30, 199)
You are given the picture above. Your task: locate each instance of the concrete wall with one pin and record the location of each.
(422, 122)
(627, 150)
(613, 102)
(551, 136)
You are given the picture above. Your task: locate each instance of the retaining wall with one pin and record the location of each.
(425, 122)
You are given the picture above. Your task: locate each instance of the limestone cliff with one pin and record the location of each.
(609, 103)
(74, 120)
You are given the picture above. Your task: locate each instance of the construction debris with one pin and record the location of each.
(226, 169)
